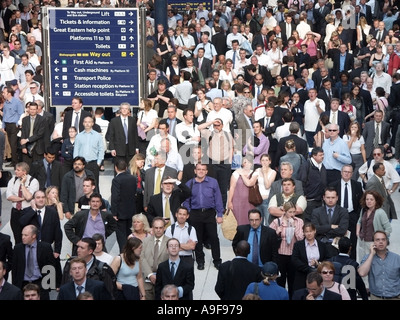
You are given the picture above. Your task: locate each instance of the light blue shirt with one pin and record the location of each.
(338, 146)
(90, 146)
(342, 60)
(12, 111)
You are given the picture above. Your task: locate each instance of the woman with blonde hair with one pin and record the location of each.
(329, 29)
(228, 73)
(363, 29)
(136, 168)
(356, 143)
(226, 86)
(140, 227)
(53, 200)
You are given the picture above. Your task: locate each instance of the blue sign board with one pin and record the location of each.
(181, 4)
(94, 54)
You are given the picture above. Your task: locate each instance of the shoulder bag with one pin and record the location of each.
(229, 225)
(255, 197)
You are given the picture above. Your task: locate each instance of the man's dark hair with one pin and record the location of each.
(120, 164)
(254, 211)
(376, 166)
(316, 150)
(50, 150)
(90, 241)
(344, 245)
(242, 248)
(78, 158)
(92, 181)
(95, 195)
(164, 121)
(186, 75)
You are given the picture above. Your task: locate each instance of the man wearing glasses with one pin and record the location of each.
(336, 154)
(31, 93)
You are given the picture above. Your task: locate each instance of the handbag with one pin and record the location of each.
(229, 224)
(255, 197)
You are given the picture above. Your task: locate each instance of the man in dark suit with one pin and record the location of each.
(287, 28)
(300, 143)
(25, 25)
(123, 135)
(175, 197)
(172, 119)
(50, 123)
(252, 23)
(219, 41)
(376, 183)
(290, 69)
(337, 117)
(315, 289)
(49, 172)
(245, 122)
(319, 13)
(197, 34)
(320, 74)
(6, 14)
(71, 289)
(327, 93)
(366, 10)
(331, 220)
(234, 276)
(203, 64)
(393, 111)
(381, 33)
(123, 205)
(241, 12)
(349, 192)
(175, 271)
(8, 290)
(255, 68)
(32, 135)
(370, 131)
(74, 117)
(30, 258)
(262, 239)
(339, 65)
(358, 68)
(77, 226)
(261, 38)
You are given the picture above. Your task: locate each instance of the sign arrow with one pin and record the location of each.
(130, 22)
(57, 85)
(131, 54)
(56, 77)
(131, 13)
(56, 61)
(57, 93)
(130, 29)
(131, 38)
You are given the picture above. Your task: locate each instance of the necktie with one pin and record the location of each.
(48, 175)
(376, 139)
(39, 218)
(329, 214)
(265, 43)
(267, 122)
(384, 187)
(334, 117)
(77, 121)
(282, 18)
(346, 197)
(155, 257)
(19, 203)
(258, 91)
(254, 257)
(167, 212)
(379, 36)
(200, 63)
(321, 9)
(80, 289)
(30, 265)
(234, 58)
(33, 98)
(157, 187)
(329, 95)
(151, 87)
(31, 128)
(126, 131)
(172, 269)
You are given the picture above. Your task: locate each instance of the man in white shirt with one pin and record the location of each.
(187, 133)
(382, 79)
(218, 113)
(313, 107)
(233, 54)
(186, 41)
(235, 34)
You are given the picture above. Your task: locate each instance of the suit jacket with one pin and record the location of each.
(196, 40)
(323, 223)
(95, 287)
(374, 184)
(356, 193)
(300, 143)
(219, 42)
(242, 17)
(343, 121)
(276, 187)
(68, 121)
(6, 251)
(6, 20)
(75, 227)
(205, 69)
(348, 64)
(116, 136)
(123, 204)
(192, 102)
(285, 72)
(49, 128)
(301, 294)
(149, 181)
(324, 96)
(184, 277)
(384, 34)
(234, 276)
(268, 80)
(38, 133)
(147, 255)
(299, 261)
(178, 196)
(177, 121)
(38, 171)
(268, 242)
(243, 125)
(254, 88)
(369, 135)
(284, 33)
(146, 87)
(10, 292)
(24, 24)
(50, 231)
(44, 257)
(394, 96)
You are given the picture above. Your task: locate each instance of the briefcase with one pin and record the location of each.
(5, 177)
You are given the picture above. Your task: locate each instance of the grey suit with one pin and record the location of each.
(149, 181)
(244, 125)
(369, 135)
(375, 184)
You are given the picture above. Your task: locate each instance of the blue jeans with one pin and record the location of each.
(263, 207)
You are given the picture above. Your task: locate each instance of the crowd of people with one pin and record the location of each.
(294, 96)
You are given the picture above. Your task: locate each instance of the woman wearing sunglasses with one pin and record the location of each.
(327, 270)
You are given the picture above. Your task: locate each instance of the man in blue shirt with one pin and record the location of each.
(12, 111)
(204, 204)
(89, 144)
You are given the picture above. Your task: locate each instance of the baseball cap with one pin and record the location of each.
(13, 82)
(270, 268)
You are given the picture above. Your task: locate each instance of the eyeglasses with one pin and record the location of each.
(217, 125)
(377, 154)
(174, 60)
(332, 130)
(327, 272)
(32, 88)
(246, 91)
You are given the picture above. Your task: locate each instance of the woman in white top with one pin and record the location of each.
(99, 251)
(266, 175)
(227, 73)
(202, 107)
(6, 65)
(363, 29)
(356, 144)
(275, 55)
(330, 27)
(147, 120)
(226, 86)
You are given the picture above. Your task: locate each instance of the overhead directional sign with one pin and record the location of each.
(94, 54)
